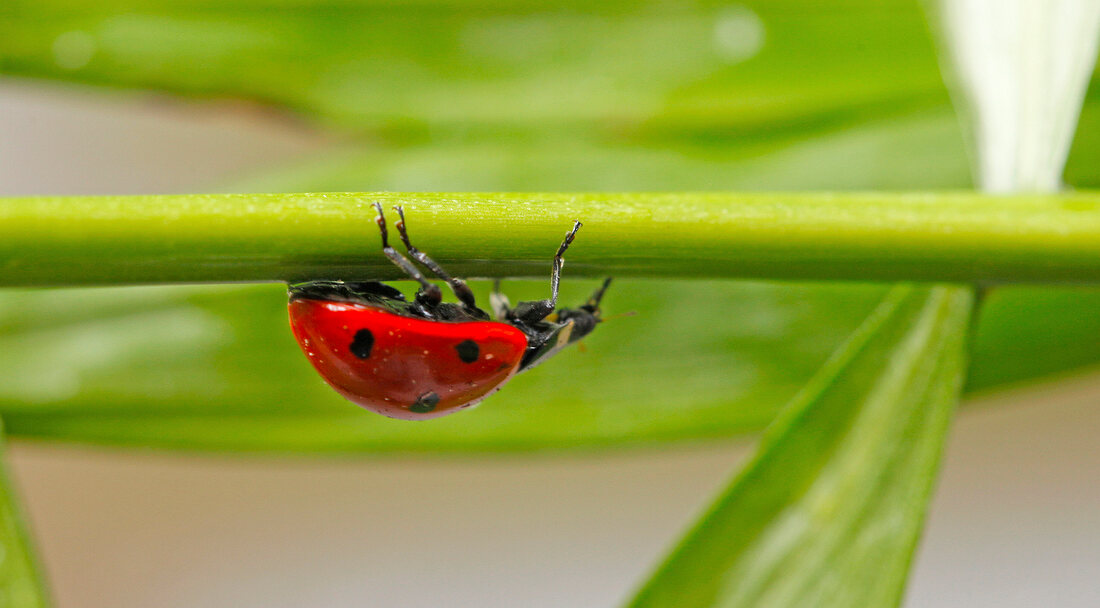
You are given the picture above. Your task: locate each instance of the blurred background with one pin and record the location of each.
(123, 97)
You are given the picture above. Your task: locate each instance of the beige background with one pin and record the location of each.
(1016, 521)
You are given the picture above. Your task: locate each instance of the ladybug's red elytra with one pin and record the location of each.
(428, 358)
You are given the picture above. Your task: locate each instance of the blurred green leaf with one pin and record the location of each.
(669, 96)
(437, 68)
(1028, 333)
(1082, 168)
(217, 368)
(20, 582)
(828, 511)
(911, 151)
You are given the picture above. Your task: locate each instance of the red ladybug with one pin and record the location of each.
(428, 358)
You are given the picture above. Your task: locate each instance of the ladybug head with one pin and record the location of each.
(586, 317)
(564, 327)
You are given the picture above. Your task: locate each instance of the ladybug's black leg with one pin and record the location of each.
(462, 291)
(533, 312)
(429, 294)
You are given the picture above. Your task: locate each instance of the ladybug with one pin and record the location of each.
(428, 358)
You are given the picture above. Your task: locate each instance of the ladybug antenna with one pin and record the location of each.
(629, 313)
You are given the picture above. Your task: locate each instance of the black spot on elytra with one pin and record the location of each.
(468, 351)
(363, 343)
(425, 403)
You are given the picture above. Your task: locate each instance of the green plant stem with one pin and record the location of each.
(962, 237)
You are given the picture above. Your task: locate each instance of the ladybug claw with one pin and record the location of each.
(381, 221)
(569, 236)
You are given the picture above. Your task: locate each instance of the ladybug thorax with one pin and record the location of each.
(401, 365)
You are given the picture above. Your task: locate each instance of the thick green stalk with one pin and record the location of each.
(944, 237)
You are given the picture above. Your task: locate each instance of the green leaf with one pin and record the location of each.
(909, 151)
(217, 368)
(1027, 333)
(20, 583)
(828, 511)
(439, 68)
